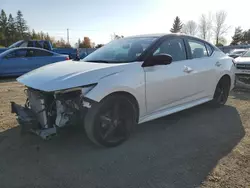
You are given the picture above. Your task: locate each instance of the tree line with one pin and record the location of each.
(211, 27)
(13, 29)
(208, 27)
(240, 36)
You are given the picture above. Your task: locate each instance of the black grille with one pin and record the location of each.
(243, 66)
(245, 78)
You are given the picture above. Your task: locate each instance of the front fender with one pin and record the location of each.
(132, 83)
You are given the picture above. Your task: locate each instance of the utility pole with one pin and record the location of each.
(68, 35)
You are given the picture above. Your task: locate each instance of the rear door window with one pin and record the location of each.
(30, 53)
(42, 53)
(46, 45)
(30, 44)
(198, 49)
(38, 45)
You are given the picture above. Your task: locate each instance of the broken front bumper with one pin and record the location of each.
(25, 117)
(29, 123)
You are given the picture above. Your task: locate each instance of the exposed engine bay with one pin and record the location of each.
(52, 110)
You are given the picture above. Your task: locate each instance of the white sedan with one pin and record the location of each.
(128, 81)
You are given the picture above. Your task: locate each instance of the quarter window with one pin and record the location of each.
(173, 47)
(198, 49)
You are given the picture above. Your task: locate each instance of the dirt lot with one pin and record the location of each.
(197, 147)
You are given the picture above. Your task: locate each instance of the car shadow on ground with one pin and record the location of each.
(175, 151)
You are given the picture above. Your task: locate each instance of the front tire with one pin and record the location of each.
(109, 123)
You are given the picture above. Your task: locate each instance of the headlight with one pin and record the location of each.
(84, 89)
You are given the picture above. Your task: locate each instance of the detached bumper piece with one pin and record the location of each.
(25, 117)
(28, 122)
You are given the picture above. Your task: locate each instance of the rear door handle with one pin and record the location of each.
(187, 69)
(218, 64)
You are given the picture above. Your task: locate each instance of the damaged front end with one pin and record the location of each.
(45, 112)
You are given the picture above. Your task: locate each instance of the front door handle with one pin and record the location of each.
(187, 69)
(218, 64)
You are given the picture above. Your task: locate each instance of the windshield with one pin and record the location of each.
(16, 44)
(247, 54)
(121, 50)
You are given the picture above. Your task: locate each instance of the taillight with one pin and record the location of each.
(67, 58)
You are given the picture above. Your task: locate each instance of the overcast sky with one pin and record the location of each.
(98, 19)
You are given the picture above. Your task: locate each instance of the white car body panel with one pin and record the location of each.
(159, 90)
(133, 82)
(172, 110)
(64, 75)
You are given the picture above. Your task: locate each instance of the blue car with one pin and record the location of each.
(17, 61)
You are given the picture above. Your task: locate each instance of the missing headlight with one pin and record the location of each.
(84, 89)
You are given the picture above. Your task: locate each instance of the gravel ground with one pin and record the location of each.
(199, 147)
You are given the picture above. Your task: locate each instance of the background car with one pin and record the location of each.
(17, 61)
(44, 44)
(73, 53)
(237, 53)
(242, 73)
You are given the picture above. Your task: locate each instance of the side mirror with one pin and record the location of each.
(159, 59)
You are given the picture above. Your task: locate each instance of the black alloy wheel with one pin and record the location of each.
(110, 123)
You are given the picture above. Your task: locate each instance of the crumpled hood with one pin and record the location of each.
(242, 60)
(68, 74)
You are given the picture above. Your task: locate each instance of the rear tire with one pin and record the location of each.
(109, 123)
(221, 92)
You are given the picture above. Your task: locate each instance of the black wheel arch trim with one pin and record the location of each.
(131, 98)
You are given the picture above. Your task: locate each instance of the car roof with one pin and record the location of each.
(25, 48)
(159, 35)
(156, 35)
(31, 48)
